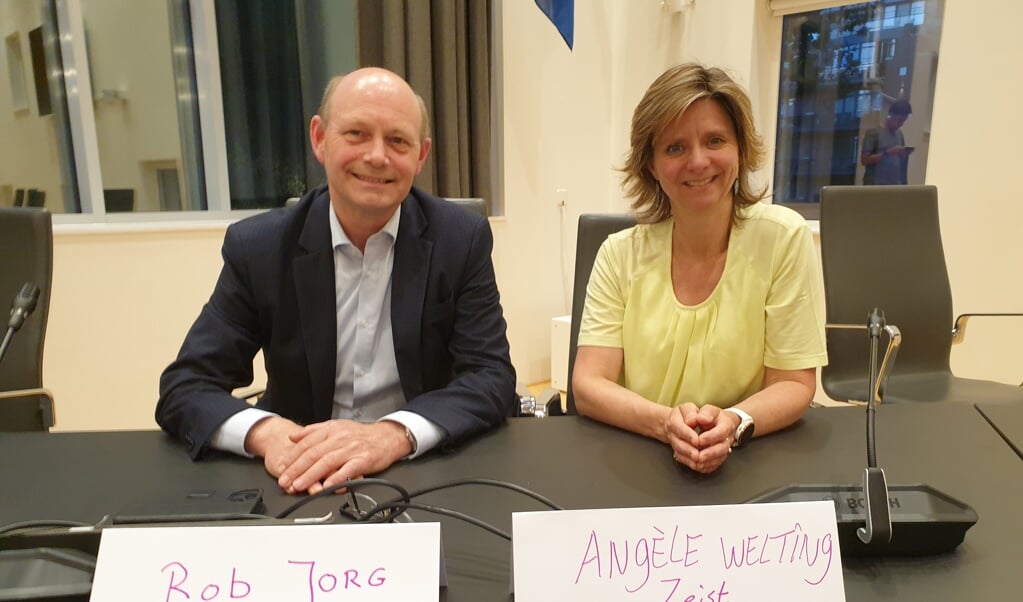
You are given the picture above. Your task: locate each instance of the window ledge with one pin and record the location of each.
(159, 222)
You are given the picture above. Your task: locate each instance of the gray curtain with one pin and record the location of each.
(259, 74)
(442, 47)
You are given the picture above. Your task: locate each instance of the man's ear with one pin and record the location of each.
(317, 132)
(424, 151)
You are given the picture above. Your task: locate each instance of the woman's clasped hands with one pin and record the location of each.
(700, 437)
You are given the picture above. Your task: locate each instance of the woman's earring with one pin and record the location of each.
(735, 187)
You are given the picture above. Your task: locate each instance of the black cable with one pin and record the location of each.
(388, 510)
(488, 482)
(40, 524)
(353, 485)
(383, 512)
(453, 514)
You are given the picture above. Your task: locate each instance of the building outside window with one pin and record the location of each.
(856, 88)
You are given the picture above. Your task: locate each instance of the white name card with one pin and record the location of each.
(273, 563)
(737, 553)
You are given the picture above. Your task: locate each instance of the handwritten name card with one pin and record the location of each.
(680, 554)
(304, 563)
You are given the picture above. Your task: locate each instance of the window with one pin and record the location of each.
(855, 81)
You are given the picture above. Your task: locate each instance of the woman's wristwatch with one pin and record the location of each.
(743, 432)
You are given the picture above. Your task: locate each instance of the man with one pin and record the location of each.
(374, 303)
(885, 154)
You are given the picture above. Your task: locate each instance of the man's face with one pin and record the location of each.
(370, 144)
(896, 120)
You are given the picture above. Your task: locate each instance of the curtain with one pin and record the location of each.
(442, 48)
(263, 120)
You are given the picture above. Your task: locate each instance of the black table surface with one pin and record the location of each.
(1008, 421)
(582, 464)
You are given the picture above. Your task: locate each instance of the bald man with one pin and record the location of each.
(374, 303)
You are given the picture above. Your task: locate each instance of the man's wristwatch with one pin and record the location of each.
(743, 432)
(411, 440)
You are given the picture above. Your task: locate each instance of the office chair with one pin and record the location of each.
(119, 200)
(475, 205)
(881, 247)
(548, 402)
(36, 198)
(26, 245)
(594, 228)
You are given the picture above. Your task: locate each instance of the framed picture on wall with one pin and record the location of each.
(35, 44)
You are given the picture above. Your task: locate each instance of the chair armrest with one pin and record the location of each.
(249, 394)
(959, 328)
(894, 340)
(47, 416)
(547, 403)
(550, 401)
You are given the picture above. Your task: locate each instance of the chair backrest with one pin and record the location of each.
(475, 205)
(119, 200)
(594, 228)
(26, 250)
(881, 247)
(36, 198)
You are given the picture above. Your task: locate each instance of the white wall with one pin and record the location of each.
(975, 157)
(122, 302)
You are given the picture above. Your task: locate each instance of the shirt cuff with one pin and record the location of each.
(230, 436)
(428, 435)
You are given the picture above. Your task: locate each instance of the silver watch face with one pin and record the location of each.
(743, 432)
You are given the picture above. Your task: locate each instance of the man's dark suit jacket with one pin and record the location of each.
(276, 293)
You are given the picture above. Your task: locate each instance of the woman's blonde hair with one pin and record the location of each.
(664, 101)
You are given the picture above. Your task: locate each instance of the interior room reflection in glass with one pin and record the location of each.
(145, 110)
(36, 163)
(855, 96)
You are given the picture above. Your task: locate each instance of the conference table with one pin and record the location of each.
(580, 464)
(1007, 419)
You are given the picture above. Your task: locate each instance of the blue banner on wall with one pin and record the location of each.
(562, 14)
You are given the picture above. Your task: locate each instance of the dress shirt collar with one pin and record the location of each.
(338, 238)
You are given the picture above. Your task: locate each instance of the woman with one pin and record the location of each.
(703, 325)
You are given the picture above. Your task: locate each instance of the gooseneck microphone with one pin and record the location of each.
(878, 525)
(22, 306)
(876, 519)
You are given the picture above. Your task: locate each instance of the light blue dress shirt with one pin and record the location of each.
(366, 386)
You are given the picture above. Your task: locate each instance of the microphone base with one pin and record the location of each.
(925, 521)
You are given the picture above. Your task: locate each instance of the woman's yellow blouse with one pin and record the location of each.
(767, 310)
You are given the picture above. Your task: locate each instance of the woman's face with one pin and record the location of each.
(696, 158)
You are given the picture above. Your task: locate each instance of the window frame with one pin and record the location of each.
(84, 144)
(778, 10)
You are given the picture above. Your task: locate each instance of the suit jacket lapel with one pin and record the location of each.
(412, 252)
(317, 305)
